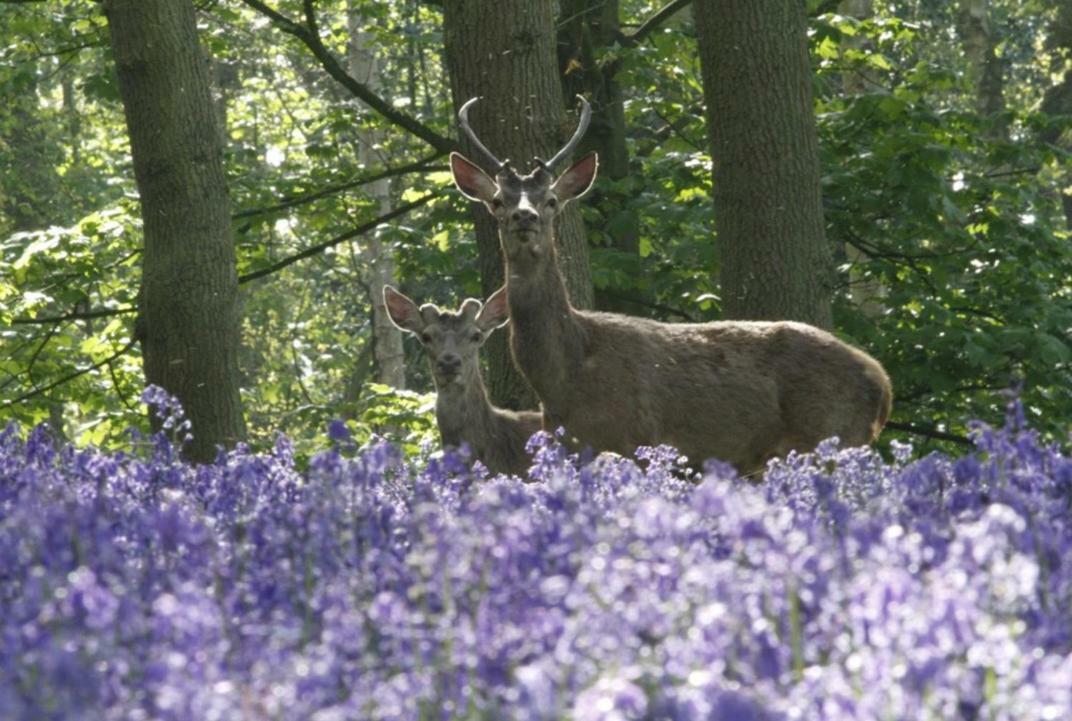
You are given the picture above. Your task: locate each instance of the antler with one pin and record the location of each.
(463, 123)
(567, 150)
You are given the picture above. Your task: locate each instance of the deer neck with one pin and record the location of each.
(544, 334)
(463, 411)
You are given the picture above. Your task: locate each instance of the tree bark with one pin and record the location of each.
(190, 314)
(379, 261)
(775, 262)
(504, 51)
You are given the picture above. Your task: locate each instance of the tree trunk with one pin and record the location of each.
(587, 32)
(190, 314)
(985, 68)
(867, 295)
(775, 263)
(1058, 101)
(388, 353)
(29, 190)
(504, 51)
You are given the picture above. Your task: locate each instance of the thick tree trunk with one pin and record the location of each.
(775, 263)
(504, 51)
(190, 315)
(379, 261)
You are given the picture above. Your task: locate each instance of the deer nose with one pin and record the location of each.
(449, 364)
(525, 216)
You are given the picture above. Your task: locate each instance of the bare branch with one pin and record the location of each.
(653, 23)
(929, 432)
(417, 166)
(69, 377)
(102, 313)
(330, 63)
(321, 247)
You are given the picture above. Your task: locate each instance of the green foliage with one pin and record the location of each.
(951, 230)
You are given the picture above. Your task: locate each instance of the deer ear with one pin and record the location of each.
(474, 183)
(495, 313)
(577, 179)
(403, 311)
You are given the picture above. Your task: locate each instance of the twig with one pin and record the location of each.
(653, 23)
(929, 433)
(82, 315)
(37, 351)
(321, 247)
(648, 304)
(419, 165)
(677, 131)
(307, 34)
(70, 376)
(115, 382)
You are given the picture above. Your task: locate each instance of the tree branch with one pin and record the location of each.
(321, 247)
(103, 313)
(69, 377)
(929, 432)
(420, 165)
(653, 23)
(308, 36)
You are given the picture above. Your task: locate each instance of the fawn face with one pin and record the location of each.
(451, 338)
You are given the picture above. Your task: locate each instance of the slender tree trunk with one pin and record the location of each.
(389, 356)
(29, 189)
(504, 51)
(864, 294)
(768, 209)
(587, 34)
(28, 192)
(985, 68)
(1058, 101)
(190, 314)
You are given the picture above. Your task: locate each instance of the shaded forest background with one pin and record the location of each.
(943, 135)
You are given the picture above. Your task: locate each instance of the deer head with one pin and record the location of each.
(451, 339)
(525, 206)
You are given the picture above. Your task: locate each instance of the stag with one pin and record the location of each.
(740, 391)
(452, 340)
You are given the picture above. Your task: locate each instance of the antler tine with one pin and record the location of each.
(567, 150)
(463, 123)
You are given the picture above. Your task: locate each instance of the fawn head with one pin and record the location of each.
(525, 206)
(451, 339)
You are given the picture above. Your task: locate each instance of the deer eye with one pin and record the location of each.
(476, 336)
(496, 203)
(426, 337)
(552, 202)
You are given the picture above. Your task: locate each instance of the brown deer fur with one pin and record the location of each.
(743, 392)
(452, 340)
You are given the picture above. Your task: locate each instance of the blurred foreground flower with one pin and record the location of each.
(133, 586)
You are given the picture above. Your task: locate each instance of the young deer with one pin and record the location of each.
(740, 391)
(452, 340)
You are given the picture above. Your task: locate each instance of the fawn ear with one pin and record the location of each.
(495, 313)
(474, 183)
(577, 179)
(403, 311)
